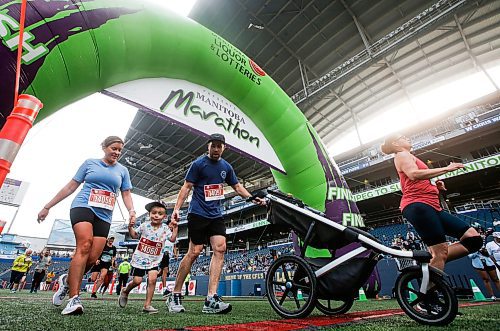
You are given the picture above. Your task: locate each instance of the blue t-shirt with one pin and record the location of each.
(96, 174)
(202, 173)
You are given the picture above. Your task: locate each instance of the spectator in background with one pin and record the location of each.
(103, 265)
(19, 269)
(493, 249)
(485, 267)
(40, 270)
(123, 274)
(48, 280)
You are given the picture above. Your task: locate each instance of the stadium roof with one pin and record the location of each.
(341, 61)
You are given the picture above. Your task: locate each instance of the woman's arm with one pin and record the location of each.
(131, 230)
(66, 191)
(129, 204)
(405, 162)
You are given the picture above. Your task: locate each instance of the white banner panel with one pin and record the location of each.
(201, 110)
(12, 191)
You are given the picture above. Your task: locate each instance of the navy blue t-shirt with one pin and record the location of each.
(208, 177)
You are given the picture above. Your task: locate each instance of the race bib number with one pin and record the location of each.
(213, 192)
(102, 199)
(106, 258)
(149, 247)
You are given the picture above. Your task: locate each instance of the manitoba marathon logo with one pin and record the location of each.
(258, 70)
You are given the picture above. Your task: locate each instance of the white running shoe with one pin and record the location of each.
(123, 299)
(74, 306)
(62, 291)
(174, 304)
(215, 305)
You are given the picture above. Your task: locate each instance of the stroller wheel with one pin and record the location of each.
(439, 306)
(291, 287)
(334, 307)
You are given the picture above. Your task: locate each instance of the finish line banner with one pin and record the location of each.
(476, 165)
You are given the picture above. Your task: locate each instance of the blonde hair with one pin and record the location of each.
(111, 140)
(388, 146)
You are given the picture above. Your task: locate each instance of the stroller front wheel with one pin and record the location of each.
(334, 307)
(291, 287)
(439, 306)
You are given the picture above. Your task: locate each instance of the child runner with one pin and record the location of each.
(147, 256)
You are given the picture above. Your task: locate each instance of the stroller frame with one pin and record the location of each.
(421, 290)
(420, 256)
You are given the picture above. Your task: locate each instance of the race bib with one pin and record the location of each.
(213, 192)
(102, 199)
(106, 258)
(149, 247)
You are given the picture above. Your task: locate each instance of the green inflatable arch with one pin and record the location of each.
(76, 48)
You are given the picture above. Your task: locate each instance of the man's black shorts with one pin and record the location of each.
(165, 261)
(137, 272)
(200, 229)
(82, 214)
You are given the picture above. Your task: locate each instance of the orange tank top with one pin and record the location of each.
(419, 190)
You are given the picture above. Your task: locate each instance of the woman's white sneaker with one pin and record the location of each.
(74, 306)
(62, 291)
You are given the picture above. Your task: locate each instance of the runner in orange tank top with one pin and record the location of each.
(420, 204)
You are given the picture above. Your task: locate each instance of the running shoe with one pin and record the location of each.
(62, 290)
(93, 295)
(215, 305)
(123, 299)
(73, 307)
(149, 310)
(166, 293)
(13, 291)
(174, 303)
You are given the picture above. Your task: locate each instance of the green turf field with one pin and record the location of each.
(24, 311)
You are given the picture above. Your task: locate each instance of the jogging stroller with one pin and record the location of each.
(295, 284)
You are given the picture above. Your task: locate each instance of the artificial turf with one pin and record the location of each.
(24, 311)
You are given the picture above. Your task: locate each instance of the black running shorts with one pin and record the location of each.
(82, 214)
(100, 266)
(137, 272)
(433, 226)
(200, 229)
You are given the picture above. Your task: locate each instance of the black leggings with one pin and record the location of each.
(37, 279)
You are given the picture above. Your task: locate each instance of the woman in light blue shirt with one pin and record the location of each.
(91, 212)
(487, 270)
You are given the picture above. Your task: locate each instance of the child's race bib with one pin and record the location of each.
(149, 247)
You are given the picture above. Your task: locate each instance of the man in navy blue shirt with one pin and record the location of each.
(206, 177)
